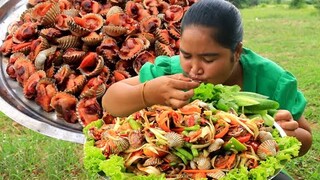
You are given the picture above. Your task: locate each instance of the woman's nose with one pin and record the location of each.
(196, 70)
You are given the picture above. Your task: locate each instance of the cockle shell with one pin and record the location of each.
(216, 175)
(62, 74)
(29, 89)
(25, 33)
(114, 10)
(61, 22)
(202, 162)
(24, 68)
(93, 22)
(69, 41)
(91, 65)
(216, 145)
(73, 56)
(114, 31)
(88, 110)
(163, 36)
(267, 148)
(131, 48)
(95, 87)
(174, 139)
(141, 59)
(163, 49)
(46, 89)
(92, 39)
(75, 83)
(65, 106)
(152, 161)
(150, 24)
(174, 13)
(77, 29)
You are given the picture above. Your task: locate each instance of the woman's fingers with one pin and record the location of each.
(285, 120)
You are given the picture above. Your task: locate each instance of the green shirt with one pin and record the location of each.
(260, 75)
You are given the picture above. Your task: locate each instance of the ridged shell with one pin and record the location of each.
(91, 66)
(61, 22)
(172, 158)
(174, 139)
(141, 59)
(216, 175)
(29, 89)
(88, 110)
(136, 139)
(71, 12)
(216, 145)
(114, 31)
(75, 83)
(114, 10)
(95, 87)
(267, 148)
(50, 16)
(65, 106)
(130, 48)
(163, 49)
(153, 161)
(93, 39)
(202, 162)
(263, 136)
(69, 41)
(72, 56)
(76, 29)
(150, 24)
(177, 12)
(63, 73)
(163, 36)
(46, 89)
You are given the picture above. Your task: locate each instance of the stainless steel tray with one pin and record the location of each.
(14, 104)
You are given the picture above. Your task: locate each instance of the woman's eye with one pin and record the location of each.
(186, 56)
(208, 60)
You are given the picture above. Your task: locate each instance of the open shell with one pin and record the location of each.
(46, 89)
(88, 110)
(29, 89)
(65, 106)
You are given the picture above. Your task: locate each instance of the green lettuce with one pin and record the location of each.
(92, 157)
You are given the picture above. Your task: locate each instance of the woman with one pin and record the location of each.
(211, 51)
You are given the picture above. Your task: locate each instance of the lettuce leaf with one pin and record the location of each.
(92, 157)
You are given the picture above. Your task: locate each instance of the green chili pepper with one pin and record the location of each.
(234, 145)
(185, 153)
(192, 128)
(134, 124)
(194, 152)
(181, 156)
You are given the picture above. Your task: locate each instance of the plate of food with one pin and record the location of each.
(74, 50)
(199, 140)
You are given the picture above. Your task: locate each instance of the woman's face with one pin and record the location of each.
(203, 59)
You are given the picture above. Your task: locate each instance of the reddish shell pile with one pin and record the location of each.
(66, 53)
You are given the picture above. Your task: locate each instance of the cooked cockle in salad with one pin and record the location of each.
(196, 141)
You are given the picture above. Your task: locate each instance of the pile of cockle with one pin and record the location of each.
(194, 139)
(66, 53)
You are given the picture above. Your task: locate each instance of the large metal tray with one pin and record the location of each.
(12, 101)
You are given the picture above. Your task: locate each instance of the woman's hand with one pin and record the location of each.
(285, 120)
(174, 90)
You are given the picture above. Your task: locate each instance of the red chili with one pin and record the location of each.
(244, 138)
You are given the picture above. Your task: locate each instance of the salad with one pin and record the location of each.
(199, 140)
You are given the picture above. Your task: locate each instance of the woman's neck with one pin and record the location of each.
(236, 77)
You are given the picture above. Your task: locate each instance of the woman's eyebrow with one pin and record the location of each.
(201, 54)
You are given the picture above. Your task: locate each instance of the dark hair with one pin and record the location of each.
(220, 15)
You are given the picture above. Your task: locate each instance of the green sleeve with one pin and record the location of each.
(289, 97)
(163, 65)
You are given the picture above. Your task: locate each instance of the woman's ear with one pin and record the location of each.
(238, 52)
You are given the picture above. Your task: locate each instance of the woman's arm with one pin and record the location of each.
(128, 96)
(299, 129)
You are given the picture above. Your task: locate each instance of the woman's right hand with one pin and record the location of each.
(173, 90)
